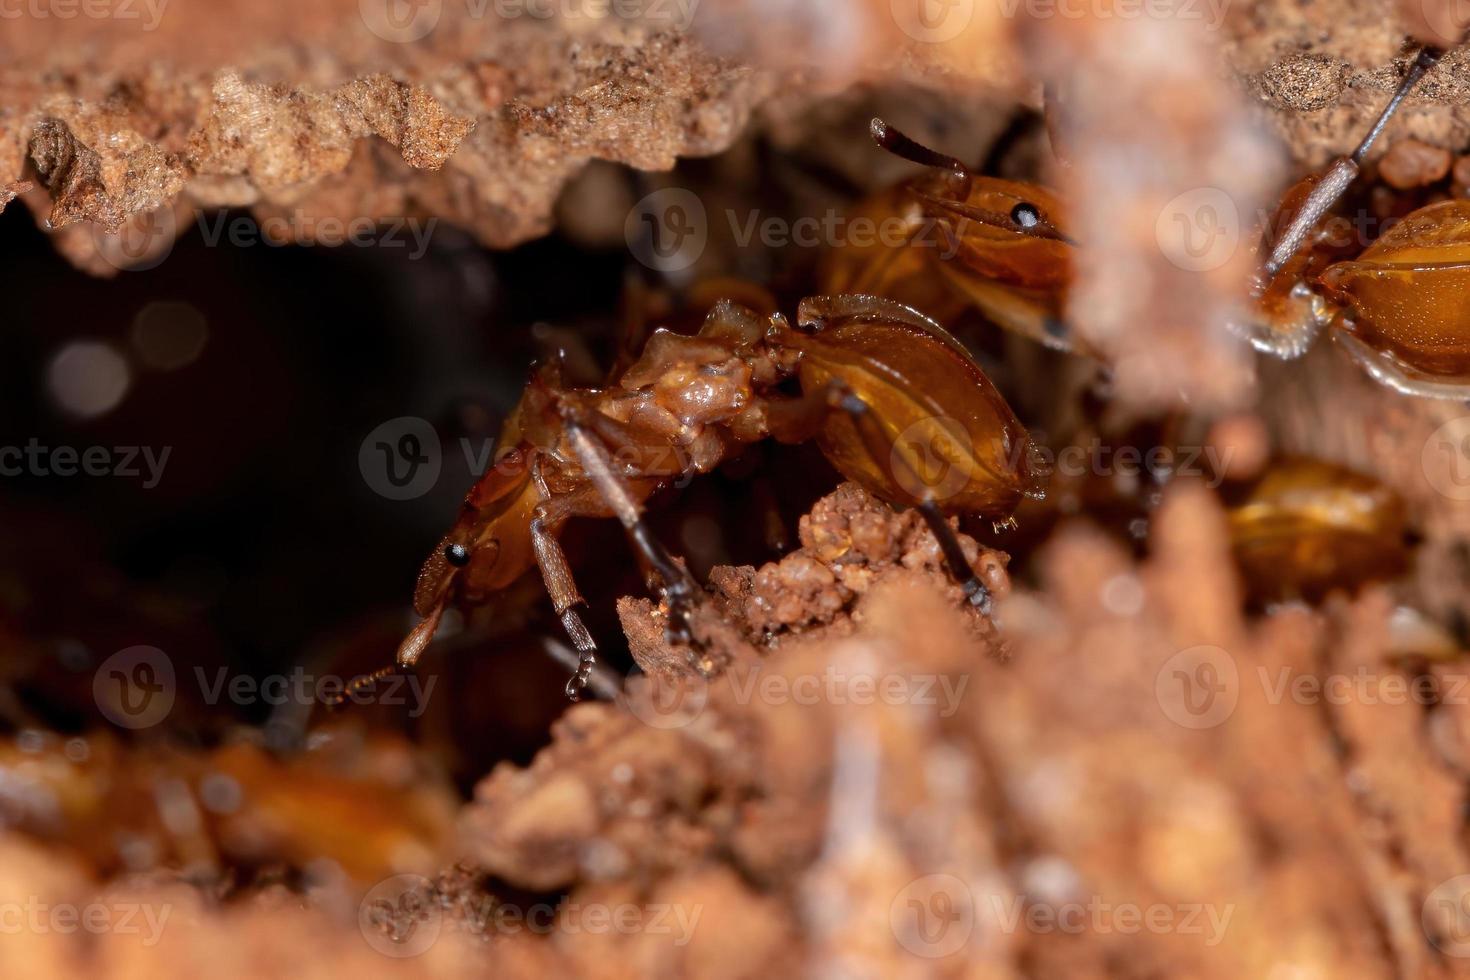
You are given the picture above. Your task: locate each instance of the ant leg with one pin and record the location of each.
(562, 588)
(954, 557)
(679, 589)
(928, 508)
(801, 418)
(601, 682)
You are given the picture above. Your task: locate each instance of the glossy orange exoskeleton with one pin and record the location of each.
(1400, 308)
(1305, 527)
(1000, 246)
(895, 403)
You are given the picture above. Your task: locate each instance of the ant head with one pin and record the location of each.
(959, 200)
(463, 552)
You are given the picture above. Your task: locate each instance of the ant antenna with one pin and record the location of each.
(900, 145)
(1336, 180)
(1427, 59)
(358, 684)
(1024, 217)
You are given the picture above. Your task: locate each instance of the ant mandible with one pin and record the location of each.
(884, 391)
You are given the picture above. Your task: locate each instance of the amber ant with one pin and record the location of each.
(1307, 526)
(1304, 526)
(1401, 308)
(884, 391)
(1007, 248)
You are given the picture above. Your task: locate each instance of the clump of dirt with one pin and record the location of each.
(485, 135)
(1084, 768)
(878, 781)
(849, 541)
(1410, 163)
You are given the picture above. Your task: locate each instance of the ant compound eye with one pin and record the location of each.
(1025, 216)
(457, 555)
